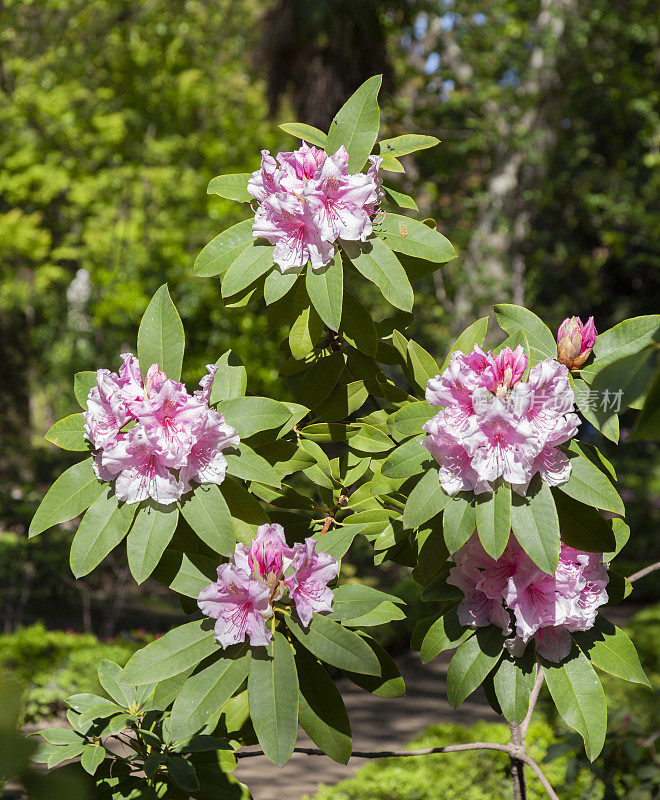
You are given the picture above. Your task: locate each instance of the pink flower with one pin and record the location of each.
(303, 164)
(240, 606)
(169, 419)
(206, 463)
(308, 586)
(575, 341)
(140, 470)
(203, 394)
(268, 553)
(266, 180)
(494, 425)
(106, 410)
(154, 379)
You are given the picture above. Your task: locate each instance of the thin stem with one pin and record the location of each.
(642, 573)
(429, 751)
(533, 697)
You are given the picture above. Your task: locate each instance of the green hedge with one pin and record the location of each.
(51, 665)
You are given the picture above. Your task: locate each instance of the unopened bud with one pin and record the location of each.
(575, 341)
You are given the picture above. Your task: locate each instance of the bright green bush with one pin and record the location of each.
(52, 665)
(474, 775)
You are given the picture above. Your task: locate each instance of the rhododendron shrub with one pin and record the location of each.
(478, 474)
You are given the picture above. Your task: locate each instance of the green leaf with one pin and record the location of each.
(355, 599)
(391, 164)
(408, 459)
(409, 419)
(458, 522)
(581, 526)
(278, 284)
(321, 711)
(382, 614)
(388, 682)
(473, 334)
(369, 439)
(221, 252)
(69, 433)
(608, 426)
(92, 758)
(512, 318)
(536, 527)
(336, 542)
(629, 336)
(246, 512)
(472, 662)
(401, 200)
(325, 288)
(591, 486)
(230, 379)
(493, 516)
(376, 261)
(186, 575)
(421, 364)
(445, 633)
(109, 675)
(621, 383)
(345, 400)
(273, 696)
(426, 500)
(513, 682)
(173, 653)
(407, 235)
(233, 187)
(182, 773)
(320, 379)
(306, 328)
(207, 691)
(160, 337)
(335, 645)
(358, 327)
(249, 466)
(61, 736)
(151, 532)
(251, 264)
(83, 382)
(408, 143)
(579, 697)
(648, 422)
(207, 513)
(250, 415)
(73, 492)
(610, 649)
(103, 527)
(356, 124)
(307, 133)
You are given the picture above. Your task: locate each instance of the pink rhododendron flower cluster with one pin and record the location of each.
(308, 200)
(575, 341)
(261, 575)
(495, 425)
(525, 602)
(154, 438)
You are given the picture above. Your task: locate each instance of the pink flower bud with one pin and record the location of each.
(154, 379)
(575, 341)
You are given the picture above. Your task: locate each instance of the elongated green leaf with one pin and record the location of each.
(207, 513)
(69, 433)
(223, 250)
(246, 512)
(426, 500)
(355, 599)
(385, 612)
(230, 379)
(336, 542)
(388, 682)
(376, 261)
(320, 379)
(250, 415)
(609, 649)
(249, 466)
(206, 692)
(73, 492)
(308, 133)
(326, 291)
(391, 164)
(83, 382)
(422, 364)
(401, 200)
(579, 697)
(493, 516)
(445, 633)
(358, 327)
(273, 695)
(322, 712)
(369, 439)
(408, 459)
(648, 422)
(356, 124)
(629, 336)
(151, 532)
(335, 645)
(103, 527)
(92, 758)
(473, 334)
(408, 143)
(306, 328)
(278, 284)
(536, 527)
(472, 662)
(407, 235)
(583, 527)
(182, 773)
(173, 653)
(233, 187)
(607, 425)
(344, 400)
(458, 522)
(513, 682)
(251, 264)
(590, 485)
(621, 383)
(186, 575)
(409, 419)
(512, 318)
(160, 337)
(109, 675)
